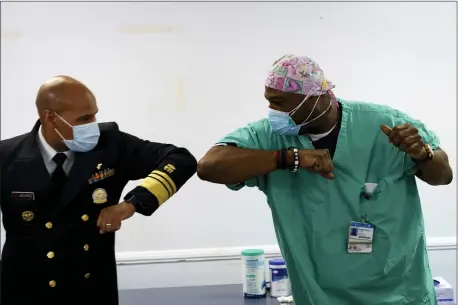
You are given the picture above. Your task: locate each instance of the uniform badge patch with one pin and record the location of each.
(169, 168)
(99, 196)
(28, 215)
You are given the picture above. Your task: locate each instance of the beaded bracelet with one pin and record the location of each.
(295, 166)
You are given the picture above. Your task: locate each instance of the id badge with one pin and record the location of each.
(360, 237)
(359, 248)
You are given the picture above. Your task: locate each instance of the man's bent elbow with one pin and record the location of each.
(448, 177)
(218, 166)
(443, 178)
(205, 169)
(447, 171)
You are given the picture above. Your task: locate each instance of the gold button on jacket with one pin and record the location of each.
(28, 215)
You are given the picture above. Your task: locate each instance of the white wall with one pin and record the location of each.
(188, 73)
(218, 266)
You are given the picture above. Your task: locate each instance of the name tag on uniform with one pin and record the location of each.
(23, 195)
(360, 237)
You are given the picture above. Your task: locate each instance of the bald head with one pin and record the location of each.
(60, 93)
(63, 102)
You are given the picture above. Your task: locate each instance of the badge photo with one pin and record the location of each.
(100, 196)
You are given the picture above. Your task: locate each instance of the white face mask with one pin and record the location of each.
(85, 137)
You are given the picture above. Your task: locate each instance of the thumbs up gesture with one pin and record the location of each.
(406, 138)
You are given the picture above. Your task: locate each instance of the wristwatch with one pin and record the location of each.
(429, 155)
(134, 201)
(140, 207)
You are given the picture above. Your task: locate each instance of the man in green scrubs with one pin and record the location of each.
(339, 177)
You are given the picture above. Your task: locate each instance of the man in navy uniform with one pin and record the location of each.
(61, 185)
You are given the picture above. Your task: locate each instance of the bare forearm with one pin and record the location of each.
(436, 171)
(232, 165)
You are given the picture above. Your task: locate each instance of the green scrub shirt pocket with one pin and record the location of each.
(372, 189)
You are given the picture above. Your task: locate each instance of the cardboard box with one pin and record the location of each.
(444, 292)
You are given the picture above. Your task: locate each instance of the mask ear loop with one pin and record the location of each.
(62, 119)
(330, 104)
(305, 99)
(60, 135)
(311, 112)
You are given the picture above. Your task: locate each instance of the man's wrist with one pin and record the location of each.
(427, 155)
(289, 157)
(130, 206)
(284, 158)
(143, 201)
(131, 201)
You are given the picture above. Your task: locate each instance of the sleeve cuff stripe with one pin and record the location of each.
(157, 188)
(164, 176)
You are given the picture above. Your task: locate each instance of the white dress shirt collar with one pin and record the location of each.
(48, 153)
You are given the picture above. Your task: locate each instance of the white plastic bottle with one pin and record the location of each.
(267, 273)
(253, 270)
(279, 279)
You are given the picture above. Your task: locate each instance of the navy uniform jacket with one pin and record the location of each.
(53, 251)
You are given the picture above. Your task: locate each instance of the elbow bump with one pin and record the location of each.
(192, 163)
(210, 164)
(201, 169)
(204, 169)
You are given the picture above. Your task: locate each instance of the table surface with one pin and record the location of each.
(199, 295)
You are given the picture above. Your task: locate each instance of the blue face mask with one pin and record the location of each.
(85, 137)
(283, 124)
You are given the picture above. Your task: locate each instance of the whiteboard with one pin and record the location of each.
(189, 73)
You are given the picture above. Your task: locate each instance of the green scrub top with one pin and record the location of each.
(312, 215)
